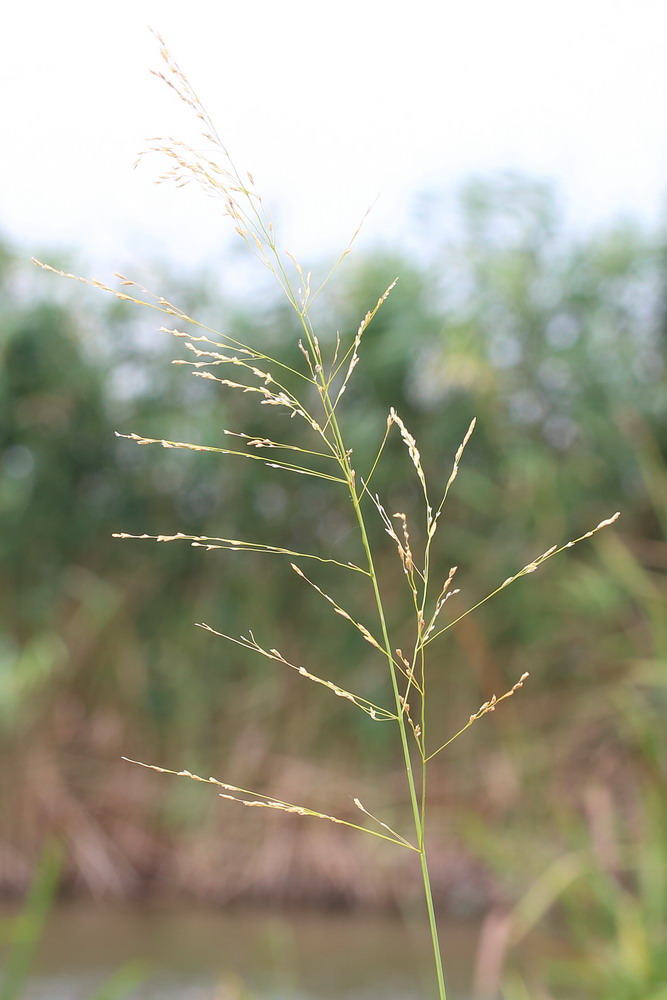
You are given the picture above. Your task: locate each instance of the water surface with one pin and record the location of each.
(205, 955)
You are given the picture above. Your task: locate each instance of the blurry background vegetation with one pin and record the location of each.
(557, 344)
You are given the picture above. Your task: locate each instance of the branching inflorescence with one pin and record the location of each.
(323, 382)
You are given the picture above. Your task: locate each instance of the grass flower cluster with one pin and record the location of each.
(311, 394)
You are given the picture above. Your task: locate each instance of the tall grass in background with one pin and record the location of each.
(312, 439)
(23, 933)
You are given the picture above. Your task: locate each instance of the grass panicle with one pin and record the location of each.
(311, 393)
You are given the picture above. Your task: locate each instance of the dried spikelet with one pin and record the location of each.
(442, 599)
(336, 350)
(217, 176)
(255, 442)
(554, 549)
(233, 793)
(354, 350)
(408, 669)
(374, 711)
(527, 569)
(416, 728)
(160, 304)
(461, 449)
(388, 526)
(339, 610)
(203, 339)
(488, 706)
(237, 545)
(415, 457)
(603, 524)
(410, 442)
(304, 291)
(309, 362)
(362, 808)
(138, 439)
(188, 446)
(230, 359)
(454, 473)
(402, 545)
(269, 396)
(404, 550)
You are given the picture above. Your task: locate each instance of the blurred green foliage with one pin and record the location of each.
(20, 937)
(617, 914)
(555, 342)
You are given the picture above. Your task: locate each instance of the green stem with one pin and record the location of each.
(417, 806)
(414, 799)
(437, 957)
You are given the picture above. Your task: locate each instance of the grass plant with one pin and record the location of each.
(25, 931)
(310, 391)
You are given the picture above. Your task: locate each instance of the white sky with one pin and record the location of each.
(329, 105)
